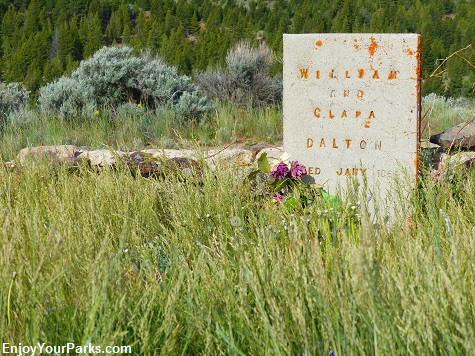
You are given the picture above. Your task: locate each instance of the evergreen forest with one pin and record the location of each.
(42, 40)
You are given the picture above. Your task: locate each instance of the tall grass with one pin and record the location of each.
(137, 129)
(201, 266)
(443, 113)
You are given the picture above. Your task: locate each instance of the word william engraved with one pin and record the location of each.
(352, 105)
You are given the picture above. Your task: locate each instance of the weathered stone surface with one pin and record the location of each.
(155, 161)
(458, 160)
(274, 155)
(144, 162)
(352, 106)
(460, 136)
(102, 158)
(63, 153)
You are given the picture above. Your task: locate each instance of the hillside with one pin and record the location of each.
(42, 39)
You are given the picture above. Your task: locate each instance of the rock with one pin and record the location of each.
(102, 158)
(234, 156)
(67, 154)
(145, 162)
(185, 165)
(465, 139)
(170, 153)
(459, 160)
(431, 158)
(154, 161)
(274, 155)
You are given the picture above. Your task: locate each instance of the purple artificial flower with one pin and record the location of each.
(297, 170)
(277, 198)
(280, 170)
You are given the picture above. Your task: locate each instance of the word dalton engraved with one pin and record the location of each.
(352, 106)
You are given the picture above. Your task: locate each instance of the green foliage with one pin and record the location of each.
(114, 76)
(245, 79)
(195, 35)
(198, 266)
(12, 98)
(203, 265)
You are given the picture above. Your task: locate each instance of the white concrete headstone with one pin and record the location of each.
(352, 106)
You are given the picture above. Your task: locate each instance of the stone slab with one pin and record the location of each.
(352, 106)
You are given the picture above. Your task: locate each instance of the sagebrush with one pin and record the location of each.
(245, 79)
(114, 76)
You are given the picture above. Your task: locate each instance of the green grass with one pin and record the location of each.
(441, 114)
(165, 266)
(203, 266)
(140, 128)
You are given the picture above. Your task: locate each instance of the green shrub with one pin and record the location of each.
(113, 76)
(245, 80)
(13, 98)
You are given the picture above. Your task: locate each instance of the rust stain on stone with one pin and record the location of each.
(419, 100)
(372, 47)
(318, 43)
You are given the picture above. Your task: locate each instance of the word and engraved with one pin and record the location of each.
(352, 105)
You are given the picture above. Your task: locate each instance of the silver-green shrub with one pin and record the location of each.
(114, 76)
(245, 79)
(13, 98)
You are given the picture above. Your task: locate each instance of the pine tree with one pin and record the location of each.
(94, 39)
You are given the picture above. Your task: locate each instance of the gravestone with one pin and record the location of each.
(352, 107)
